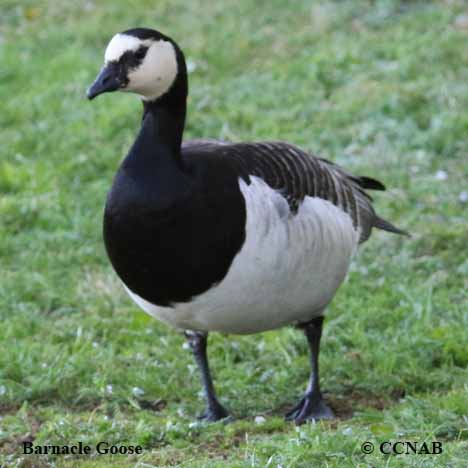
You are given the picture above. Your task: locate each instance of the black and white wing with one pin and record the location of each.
(297, 174)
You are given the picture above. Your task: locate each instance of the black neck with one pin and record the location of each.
(168, 111)
(156, 153)
(167, 114)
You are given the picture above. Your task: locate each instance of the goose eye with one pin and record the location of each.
(140, 53)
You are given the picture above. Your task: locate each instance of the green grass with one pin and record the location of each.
(380, 87)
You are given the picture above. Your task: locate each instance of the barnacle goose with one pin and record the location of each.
(230, 237)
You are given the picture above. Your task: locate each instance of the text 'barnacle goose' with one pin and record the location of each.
(231, 237)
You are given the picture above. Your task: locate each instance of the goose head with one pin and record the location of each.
(142, 61)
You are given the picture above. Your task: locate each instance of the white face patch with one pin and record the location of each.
(155, 74)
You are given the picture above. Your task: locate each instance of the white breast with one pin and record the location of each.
(287, 271)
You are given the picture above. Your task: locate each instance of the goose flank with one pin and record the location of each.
(208, 235)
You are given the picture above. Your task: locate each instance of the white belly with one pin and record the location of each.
(287, 271)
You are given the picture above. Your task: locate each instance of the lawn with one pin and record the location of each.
(380, 87)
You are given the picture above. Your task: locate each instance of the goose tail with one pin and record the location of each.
(384, 225)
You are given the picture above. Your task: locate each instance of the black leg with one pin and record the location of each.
(214, 410)
(312, 406)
